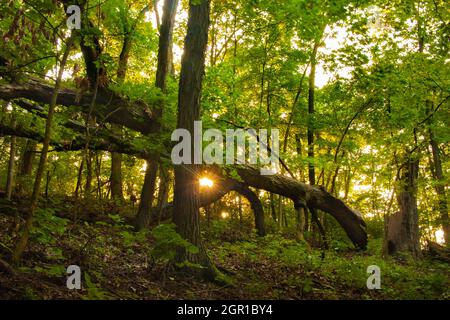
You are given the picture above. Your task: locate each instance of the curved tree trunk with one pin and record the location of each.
(315, 197)
(256, 205)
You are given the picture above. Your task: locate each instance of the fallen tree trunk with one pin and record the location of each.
(221, 188)
(313, 196)
(110, 107)
(438, 252)
(103, 141)
(301, 194)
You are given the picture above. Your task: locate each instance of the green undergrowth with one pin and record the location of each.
(331, 274)
(118, 263)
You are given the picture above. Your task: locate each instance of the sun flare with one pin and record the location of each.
(206, 182)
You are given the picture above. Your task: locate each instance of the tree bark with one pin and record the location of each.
(311, 112)
(186, 193)
(311, 131)
(116, 158)
(402, 228)
(256, 205)
(316, 197)
(163, 190)
(98, 170)
(123, 58)
(165, 43)
(79, 179)
(27, 158)
(116, 176)
(92, 51)
(47, 183)
(273, 210)
(88, 184)
(12, 160)
(110, 107)
(301, 217)
(164, 65)
(143, 216)
(26, 166)
(438, 174)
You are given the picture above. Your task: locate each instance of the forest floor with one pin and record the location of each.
(118, 264)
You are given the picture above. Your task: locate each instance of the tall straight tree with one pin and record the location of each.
(26, 165)
(116, 175)
(163, 69)
(311, 111)
(12, 160)
(116, 158)
(311, 132)
(186, 193)
(438, 174)
(23, 240)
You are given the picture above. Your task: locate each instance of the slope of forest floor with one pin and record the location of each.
(118, 263)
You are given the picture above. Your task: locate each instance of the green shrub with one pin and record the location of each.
(47, 226)
(167, 242)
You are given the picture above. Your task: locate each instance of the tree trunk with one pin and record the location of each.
(301, 217)
(116, 176)
(116, 158)
(11, 162)
(98, 170)
(257, 208)
(311, 111)
(143, 216)
(280, 204)
(28, 157)
(165, 44)
(314, 197)
(402, 228)
(123, 58)
(110, 106)
(163, 190)
(23, 241)
(186, 194)
(79, 179)
(26, 166)
(163, 69)
(88, 184)
(273, 210)
(47, 183)
(438, 174)
(311, 130)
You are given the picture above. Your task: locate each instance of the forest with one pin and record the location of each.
(224, 150)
